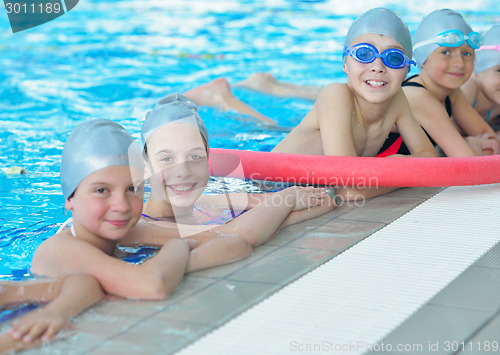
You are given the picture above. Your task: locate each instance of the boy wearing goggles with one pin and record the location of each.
(354, 119)
(444, 47)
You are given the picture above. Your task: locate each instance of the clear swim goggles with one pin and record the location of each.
(366, 53)
(490, 48)
(453, 38)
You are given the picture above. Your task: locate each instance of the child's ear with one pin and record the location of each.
(344, 68)
(68, 204)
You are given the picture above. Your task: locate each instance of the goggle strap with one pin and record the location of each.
(424, 43)
(493, 47)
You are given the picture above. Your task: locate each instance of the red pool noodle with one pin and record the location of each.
(355, 171)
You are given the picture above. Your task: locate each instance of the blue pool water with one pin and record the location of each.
(113, 59)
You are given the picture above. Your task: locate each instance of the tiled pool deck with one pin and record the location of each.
(210, 298)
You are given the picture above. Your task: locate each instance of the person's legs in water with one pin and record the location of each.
(218, 94)
(268, 84)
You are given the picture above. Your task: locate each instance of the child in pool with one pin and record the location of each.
(432, 117)
(176, 151)
(444, 50)
(66, 298)
(354, 119)
(102, 179)
(483, 89)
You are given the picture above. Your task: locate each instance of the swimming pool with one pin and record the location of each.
(114, 59)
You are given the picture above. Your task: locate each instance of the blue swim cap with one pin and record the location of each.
(172, 108)
(486, 56)
(95, 145)
(434, 24)
(381, 21)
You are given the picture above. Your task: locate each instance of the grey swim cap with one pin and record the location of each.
(381, 21)
(172, 108)
(95, 145)
(487, 58)
(433, 24)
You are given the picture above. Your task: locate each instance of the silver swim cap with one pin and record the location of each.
(381, 21)
(172, 108)
(95, 145)
(488, 55)
(432, 25)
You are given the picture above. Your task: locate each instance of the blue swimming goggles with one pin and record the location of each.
(453, 38)
(366, 53)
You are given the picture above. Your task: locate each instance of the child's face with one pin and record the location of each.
(374, 81)
(489, 81)
(450, 67)
(107, 203)
(178, 163)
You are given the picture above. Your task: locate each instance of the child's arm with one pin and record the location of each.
(435, 120)
(333, 110)
(261, 223)
(77, 293)
(414, 137)
(33, 291)
(237, 200)
(473, 124)
(466, 117)
(155, 279)
(247, 225)
(302, 215)
(160, 232)
(222, 249)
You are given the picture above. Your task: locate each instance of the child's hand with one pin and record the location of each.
(305, 197)
(38, 325)
(490, 144)
(484, 144)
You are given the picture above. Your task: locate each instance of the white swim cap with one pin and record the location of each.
(381, 21)
(95, 145)
(488, 55)
(433, 24)
(172, 108)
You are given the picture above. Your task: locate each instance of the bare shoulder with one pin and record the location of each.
(57, 255)
(416, 93)
(424, 105)
(335, 98)
(335, 90)
(46, 257)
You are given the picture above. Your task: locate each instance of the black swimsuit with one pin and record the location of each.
(394, 143)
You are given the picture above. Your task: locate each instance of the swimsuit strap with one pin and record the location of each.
(407, 82)
(154, 219)
(474, 104)
(65, 225)
(447, 101)
(488, 115)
